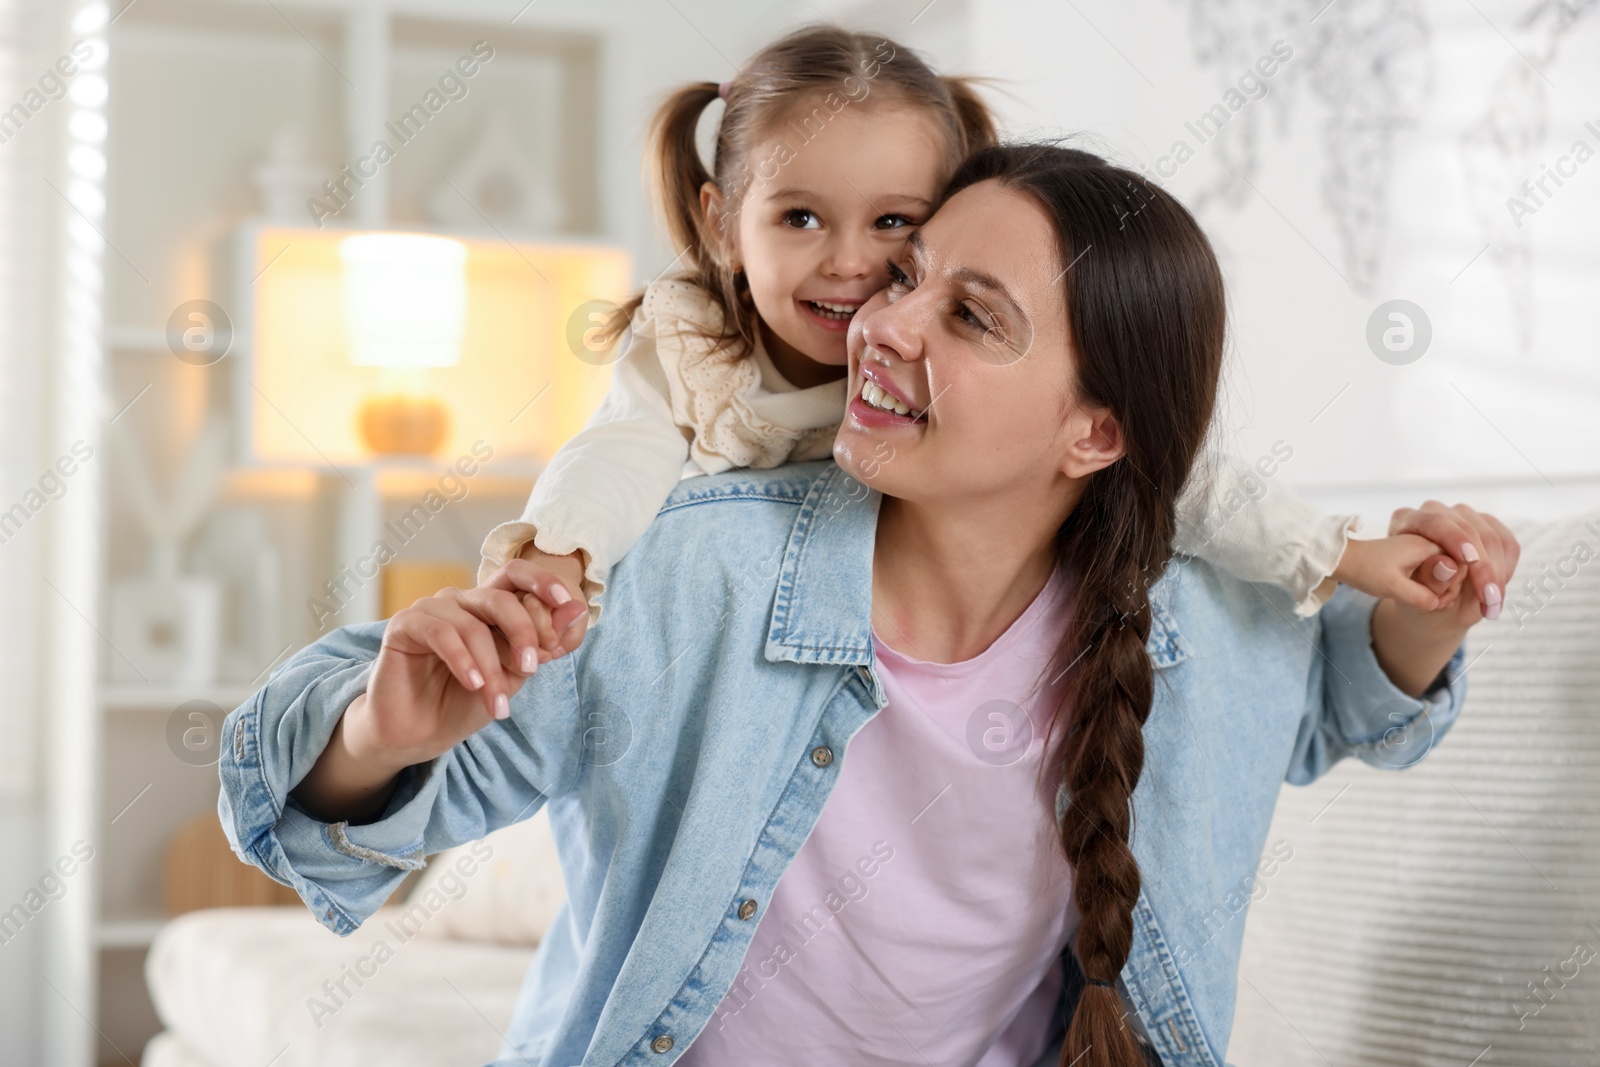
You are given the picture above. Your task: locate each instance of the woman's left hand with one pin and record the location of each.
(1479, 556)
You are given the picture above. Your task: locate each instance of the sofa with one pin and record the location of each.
(431, 980)
(1446, 917)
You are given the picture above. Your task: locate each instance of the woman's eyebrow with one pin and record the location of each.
(969, 275)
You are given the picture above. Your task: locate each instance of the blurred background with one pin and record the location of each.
(229, 425)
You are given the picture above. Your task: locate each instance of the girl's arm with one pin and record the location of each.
(601, 489)
(1230, 516)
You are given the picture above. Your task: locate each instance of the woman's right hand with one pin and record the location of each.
(450, 663)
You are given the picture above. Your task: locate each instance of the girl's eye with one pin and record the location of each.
(802, 219)
(893, 222)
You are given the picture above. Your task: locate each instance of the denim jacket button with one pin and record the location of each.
(822, 755)
(747, 909)
(662, 1044)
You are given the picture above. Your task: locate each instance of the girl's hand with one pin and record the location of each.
(570, 624)
(1479, 554)
(1391, 567)
(449, 665)
(1413, 646)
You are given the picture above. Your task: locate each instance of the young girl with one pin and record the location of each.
(832, 148)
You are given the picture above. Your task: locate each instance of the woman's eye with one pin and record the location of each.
(898, 279)
(801, 219)
(967, 315)
(893, 222)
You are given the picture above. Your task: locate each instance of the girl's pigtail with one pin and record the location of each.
(678, 170)
(977, 124)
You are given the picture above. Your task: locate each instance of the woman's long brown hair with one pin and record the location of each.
(792, 74)
(1144, 299)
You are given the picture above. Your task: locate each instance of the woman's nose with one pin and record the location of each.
(895, 329)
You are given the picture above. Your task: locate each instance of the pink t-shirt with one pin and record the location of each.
(921, 921)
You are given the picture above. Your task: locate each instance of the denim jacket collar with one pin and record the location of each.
(822, 612)
(830, 551)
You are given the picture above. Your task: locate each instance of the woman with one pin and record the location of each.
(1056, 330)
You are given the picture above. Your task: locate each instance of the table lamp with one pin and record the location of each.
(402, 346)
(405, 298)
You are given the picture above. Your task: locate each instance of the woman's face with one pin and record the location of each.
(972, 337)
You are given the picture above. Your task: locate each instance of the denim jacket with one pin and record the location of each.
(685, 750)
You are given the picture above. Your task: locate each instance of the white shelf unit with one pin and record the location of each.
(125, 698)
(199, 90)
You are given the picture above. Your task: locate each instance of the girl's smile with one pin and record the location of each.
(813, 240)
(830, 314)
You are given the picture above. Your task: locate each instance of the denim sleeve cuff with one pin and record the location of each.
(352, 870)
(343, 873)
(1381, 724)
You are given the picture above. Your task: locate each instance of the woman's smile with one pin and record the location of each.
(882, 404)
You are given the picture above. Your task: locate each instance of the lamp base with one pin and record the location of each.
(403, 423)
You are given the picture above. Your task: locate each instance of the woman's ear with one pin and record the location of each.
(720, 225)
(1094, 443)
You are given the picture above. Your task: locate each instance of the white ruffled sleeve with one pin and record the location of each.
(1231, 515)
(603, 487)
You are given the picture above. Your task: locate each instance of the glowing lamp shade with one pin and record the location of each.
(405, 301)
(382, 344)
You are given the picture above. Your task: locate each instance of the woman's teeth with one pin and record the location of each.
(875, 396)
(842, 312)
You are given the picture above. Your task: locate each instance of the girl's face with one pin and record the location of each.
(831, 196)
(972, 337)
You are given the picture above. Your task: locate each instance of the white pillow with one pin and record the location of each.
(505, 888)
(1425, 916)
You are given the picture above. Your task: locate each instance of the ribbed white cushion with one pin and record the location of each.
(510, 896)
(237, 987)
(1418, 905)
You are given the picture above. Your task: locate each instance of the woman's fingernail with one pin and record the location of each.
(1469, 553)
(1444, 570)
(530, 660)
(1492, 600)
(560, 595)
(476, 679)
(502, 706)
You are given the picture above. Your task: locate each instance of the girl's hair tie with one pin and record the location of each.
(1101, 982)
(722, 90)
